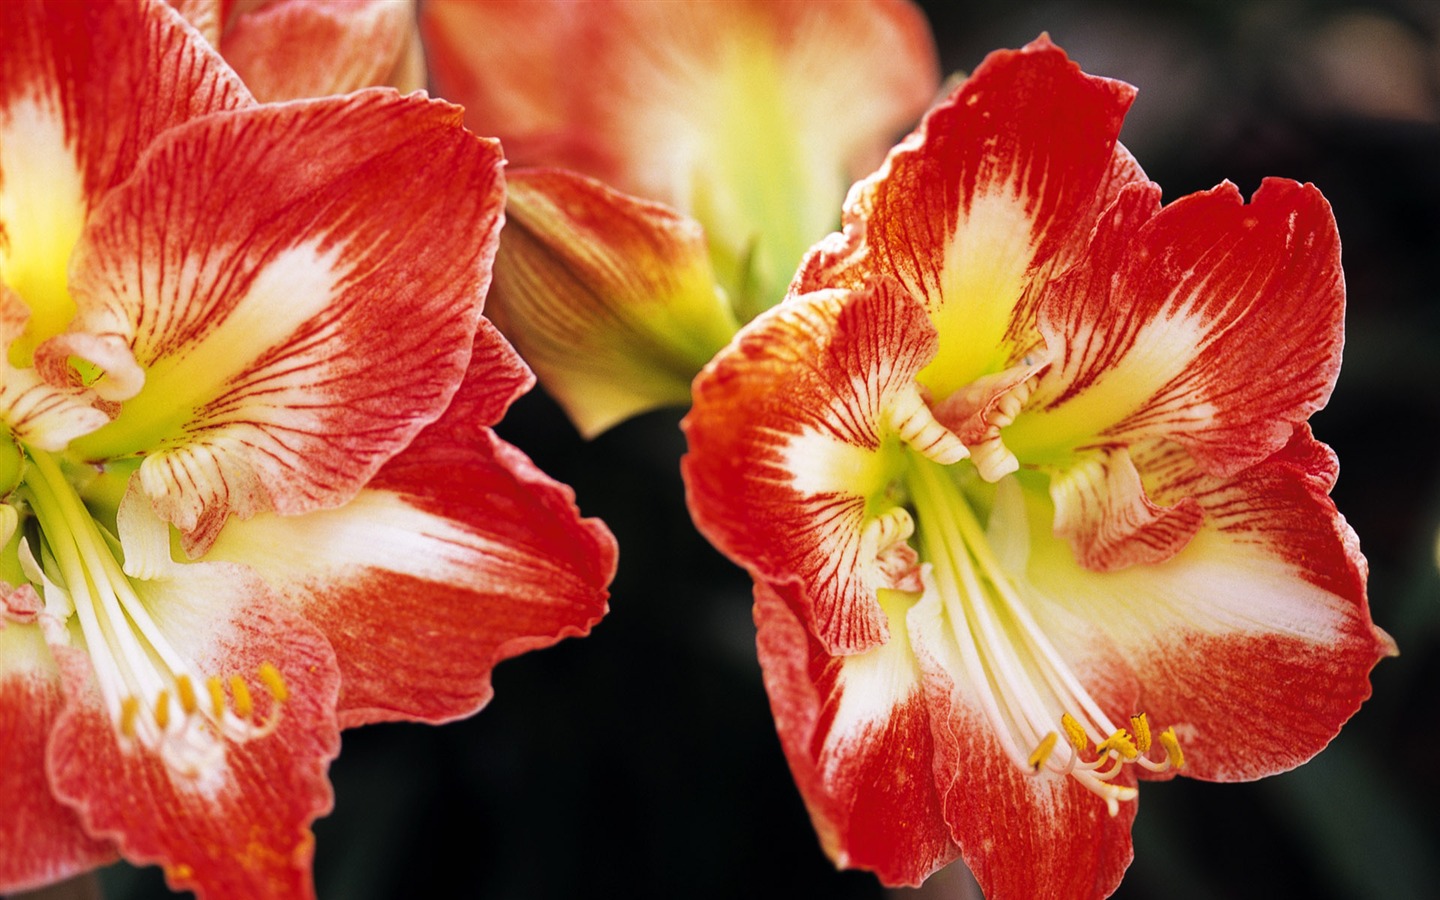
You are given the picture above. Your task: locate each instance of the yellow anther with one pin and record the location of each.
(273, 682)
(186, 692)
(241, 692)
(217, 695)
(1074, 732)
(162, 710)
(1119, 742)
(129, 709)
(1140, 727)
(1171, 743)
(1042, 752)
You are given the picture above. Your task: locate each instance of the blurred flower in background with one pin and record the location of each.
(748, 120)
(289, 49)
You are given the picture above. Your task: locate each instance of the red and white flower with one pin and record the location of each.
(722, 136)
(1023, 474)
(250, 491)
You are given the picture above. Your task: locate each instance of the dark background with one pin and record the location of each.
(642, 762)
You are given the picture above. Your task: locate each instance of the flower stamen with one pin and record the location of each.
(1042, 752)
(1005, 652)
(273, 682)
(1140, 727)
(1171, 743)
(1122, 748)
(131, 657)
(186, 692)
(1120, 744)
(216, 689)
(162, 710)
(129, 709)
(241, 692)
(1075, 732)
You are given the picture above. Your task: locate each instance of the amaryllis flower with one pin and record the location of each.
(1023, 474)
(250, 492)
(734, 127)
(289, 49)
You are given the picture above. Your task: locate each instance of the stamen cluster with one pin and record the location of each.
(1111, 755)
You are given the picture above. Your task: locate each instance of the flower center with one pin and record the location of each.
(1024, 685)
(155, 695)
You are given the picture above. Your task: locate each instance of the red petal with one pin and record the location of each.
(788, 446)
(457, 555)
(43, 841)
(84, 89)
(1215, 323)
(975, 207)
(300, 48)
(1021, 835)
(302, 283)
(858, 740)
(496, 378)
(1254, 642)
(84, 62)
(246, 833)
(1102, 510)
(1253, 685)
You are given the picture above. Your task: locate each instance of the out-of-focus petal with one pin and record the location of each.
(306, 291)
(457, 555)
(856, 732)
(972, 209)
(208, 16)
(43, 839)
(292, 49)
(611, 299)
(793, 440)
(84, 88)
(752, 117)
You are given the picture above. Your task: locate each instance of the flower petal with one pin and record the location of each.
(1254, 641)
(239, 832)
(973, 208)
(610, 298)
(84, 88)
(54, 844)
(258, 266)
(457, 555)
(302, 48)
(857, 735)
(1101, 509)
(1177, 316)
(792, 437)
(652, 98)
